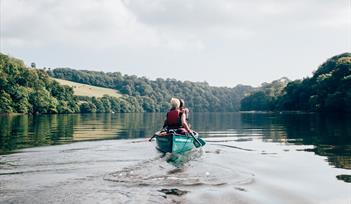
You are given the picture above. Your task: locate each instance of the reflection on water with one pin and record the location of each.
(21, 131)
(329, 135)
(248, 158)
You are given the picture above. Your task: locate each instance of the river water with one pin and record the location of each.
(106, 158)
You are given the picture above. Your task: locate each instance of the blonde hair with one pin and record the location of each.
(175, 103)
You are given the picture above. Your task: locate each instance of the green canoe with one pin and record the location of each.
(176, 143)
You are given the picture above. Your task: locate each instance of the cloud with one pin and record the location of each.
(229, 38)
(81, 22)
(179, 24)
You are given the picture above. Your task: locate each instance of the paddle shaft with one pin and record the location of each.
(196, 140)
(155, 135)
(152, 138)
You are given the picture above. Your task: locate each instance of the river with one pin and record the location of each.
(105, 158)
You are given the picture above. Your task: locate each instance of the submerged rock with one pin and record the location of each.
(343, 177)
(173, 191)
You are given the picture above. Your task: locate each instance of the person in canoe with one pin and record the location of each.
(176, 119)
(184, 111)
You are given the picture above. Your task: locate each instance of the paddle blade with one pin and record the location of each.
(201, 141)
(198, 142)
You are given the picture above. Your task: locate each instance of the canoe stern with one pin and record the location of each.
(174, 143)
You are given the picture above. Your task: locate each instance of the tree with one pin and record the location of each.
(115, 106)
(257, 101)
(5, 102)
(43, 102)
(99, 105)
(106, 103)
(27, 90)
(327, 90)
(149, 105)
(87, 107)
(199, 96)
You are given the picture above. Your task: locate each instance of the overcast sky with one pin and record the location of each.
(223, 42)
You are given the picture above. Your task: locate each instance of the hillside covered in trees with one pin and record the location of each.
(264, 97)
(328, 90)
(30, 90)
(27, 90)
(33, 91)
(154, 95)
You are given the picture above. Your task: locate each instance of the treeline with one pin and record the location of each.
(328, 90)
(154, 95)
(28, 90)
(108, 104)
(264, 97)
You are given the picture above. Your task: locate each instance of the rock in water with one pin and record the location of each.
(173, 191)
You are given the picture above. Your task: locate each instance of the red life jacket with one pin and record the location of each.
(173, 119)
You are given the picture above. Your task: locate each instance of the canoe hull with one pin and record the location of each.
(174, 143)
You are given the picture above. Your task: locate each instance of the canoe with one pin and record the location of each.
(176, 143)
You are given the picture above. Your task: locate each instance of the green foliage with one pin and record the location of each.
(265, 97)
(99, 105)
(63, 107)
(5, 102)
(106, 104)
(258, 101)
(20, 97)
(329, 89)
(43, 102)
(115, 105)
(27, 90)
(87, 107)
(154, 95)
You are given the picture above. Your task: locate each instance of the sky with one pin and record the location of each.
(222, 42)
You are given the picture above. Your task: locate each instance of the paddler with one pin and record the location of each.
(176, 119)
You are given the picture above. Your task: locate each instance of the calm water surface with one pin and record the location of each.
(249, 158)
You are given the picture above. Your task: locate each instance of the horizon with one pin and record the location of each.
(78, 69)
(215, 42)
(154, 79)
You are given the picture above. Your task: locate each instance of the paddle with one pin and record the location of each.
(197, 141)
(156, 133)
(202, 141)
(152, 137)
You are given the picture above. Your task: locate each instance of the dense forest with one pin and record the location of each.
(31, 90)
(154, 95)
(26, 90)
(263, 98)
(328, 90)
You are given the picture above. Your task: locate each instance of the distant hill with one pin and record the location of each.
(34, 91)
(80, 89)
(28, 90)
(264, 97)
(154, 95)
(328, 90)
